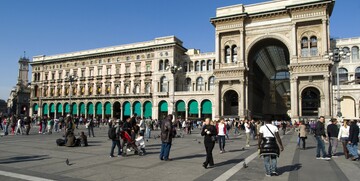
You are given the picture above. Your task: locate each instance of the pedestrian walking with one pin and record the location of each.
(114, 135)
(268, 144)
(302, 135)
(320, 137)
(167, 134)
(19, 127)
(209, 133)
(221, 132)
(352, 145)
(332, 132)
(247, 132)
(343, 136)
(90, 127)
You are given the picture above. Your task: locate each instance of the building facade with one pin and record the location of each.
(19, 99)
(268, 62)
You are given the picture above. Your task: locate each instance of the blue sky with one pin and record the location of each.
(46, 27)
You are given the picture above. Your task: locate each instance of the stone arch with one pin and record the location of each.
(230, 103)
(310, 102)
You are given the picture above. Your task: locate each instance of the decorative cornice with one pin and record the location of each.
(307, 68)
(228, 73)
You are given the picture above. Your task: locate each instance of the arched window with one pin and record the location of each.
(147, 88)
(313, 46)
(185, 66)
(127, 89)
(161, 65)
(197, 66)
(188, 84)
(163, 84)
(166, 64)
(343, 75)
(209, 65)
(203, 65)
(211, 83)
(117, 90)
(355, 53)
(357, 75)
(137, 89)
(234, 53)
(304, 47)
(199, 84)
(347, 59)
(227, 54)
(191, 66)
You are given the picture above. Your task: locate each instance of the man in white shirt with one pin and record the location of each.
(19, 129)
(247, 132)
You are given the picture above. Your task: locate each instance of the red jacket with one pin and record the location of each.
(217, 128)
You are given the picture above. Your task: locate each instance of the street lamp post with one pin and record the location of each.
(71, 79)
(174, 69)
(336, 55)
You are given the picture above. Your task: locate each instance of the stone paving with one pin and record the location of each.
(37, 156)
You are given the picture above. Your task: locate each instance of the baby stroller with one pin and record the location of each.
(128, 143)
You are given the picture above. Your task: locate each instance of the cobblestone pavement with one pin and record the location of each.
(37, 157)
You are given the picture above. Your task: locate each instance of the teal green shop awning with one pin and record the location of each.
(59, 108)
(180, 107)
(206, 107)
(67, 108)
(147, 109)
(46, 109)
(36, 107)
(52, 108)
(108, 108)
(74, 108)
(193, 107)
(91, 109)
(137, 108)
(98, 109)
(163, 106)
(82, 108)
(127, 109)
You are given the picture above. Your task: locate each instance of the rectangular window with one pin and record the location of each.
(82, 72)
(75, 73)
(99, 71)
(108, 71)
(60, 75)
(53, 76)
(137, 68)
(91, 72)
(127, 69)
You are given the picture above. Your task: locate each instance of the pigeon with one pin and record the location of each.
(242, 149)
(199, 142)
(245, 165)
(147, 140)
(67, 162)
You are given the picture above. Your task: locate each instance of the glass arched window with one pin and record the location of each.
(234, 53)
(304, 47)
(187, 84)
(343, 75)
(197, 66)
(161, 65)
(203, 65)
(357, 75)
(227, 54)
(185, 66)
(163, 84)
(347, 59)
(313, 46)
(355, 53)
(209, 65)
(199, 84)
(147, 88)
(211, 83)
(166, 66)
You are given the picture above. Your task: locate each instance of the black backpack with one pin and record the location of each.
(112, 133)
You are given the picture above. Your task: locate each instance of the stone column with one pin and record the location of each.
(327, 104)
(241, 48)
(199, 107)
(103, 111)
(357, 109)
(294, 40)
(186, 111)
(217, 50)
(217, 99)
(294, 97)
(241, 98)
(325, 38)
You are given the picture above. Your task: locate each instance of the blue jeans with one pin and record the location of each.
(115, 143)
(353, 149)
(148, 132)
(6, 130)
(165, 151)
(221, 140)
(320, 147)
(270, 163)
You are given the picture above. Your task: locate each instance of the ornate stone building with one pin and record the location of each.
(349, 77)
(268, 62)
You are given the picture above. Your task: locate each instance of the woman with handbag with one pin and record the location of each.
(209, 133)
(302, 134)
(268, 145)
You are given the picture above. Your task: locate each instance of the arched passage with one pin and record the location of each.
(45, 109)
(117, 110)
(268, 79)
(348, 107)
(107, 106)
(59, 110)
(180, 109)
(206, 109)
(98, 110)
(82, 109)
(137, 108)
(35, 108)
(310, 102)
(147, 109)
(163, 109)
(67, 108)
(231, 103)
(52, 110)
(90, 109)
(74, 109)
(193, 112)
(127, 110)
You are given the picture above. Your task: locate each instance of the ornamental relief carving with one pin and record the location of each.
(228, 26)
(267, 30)
(228, 73)
(310, 68)
(309, 15)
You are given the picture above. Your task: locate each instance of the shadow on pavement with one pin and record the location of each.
(233, 161)
(24, 159)
(289, 168)
(190, 157)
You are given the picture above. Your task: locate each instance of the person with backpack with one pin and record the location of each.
(114, 135)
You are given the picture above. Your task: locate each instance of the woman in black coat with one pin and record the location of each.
(208, 131)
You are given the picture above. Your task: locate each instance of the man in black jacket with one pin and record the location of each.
(352, 145)
(320, 137)
(332, 132)
(166, 137)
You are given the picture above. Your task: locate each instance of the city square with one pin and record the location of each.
(270, 61)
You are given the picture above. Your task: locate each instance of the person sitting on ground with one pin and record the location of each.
(83, 139)
(70, 139)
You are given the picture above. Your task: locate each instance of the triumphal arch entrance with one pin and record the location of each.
(270, 60)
